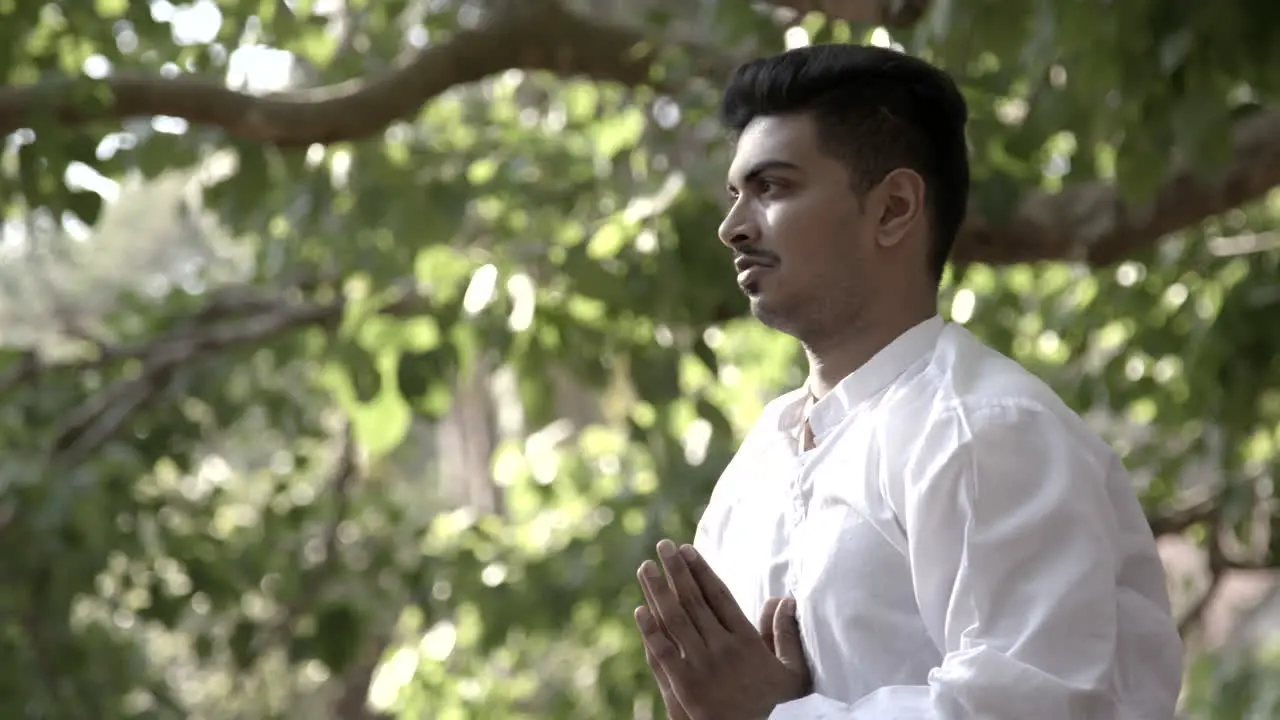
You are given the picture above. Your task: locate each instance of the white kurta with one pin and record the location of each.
(960, 544)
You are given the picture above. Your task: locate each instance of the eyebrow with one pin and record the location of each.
(763, 167)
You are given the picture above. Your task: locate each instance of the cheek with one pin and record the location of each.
(816, 240)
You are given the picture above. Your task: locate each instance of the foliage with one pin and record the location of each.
(1240, 686)
(222, 496)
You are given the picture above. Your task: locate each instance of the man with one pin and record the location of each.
(954, 542)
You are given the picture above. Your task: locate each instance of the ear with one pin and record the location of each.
(899, 204)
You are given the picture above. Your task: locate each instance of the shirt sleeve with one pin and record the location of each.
(1014, 549)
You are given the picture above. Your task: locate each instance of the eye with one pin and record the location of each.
(765, 186)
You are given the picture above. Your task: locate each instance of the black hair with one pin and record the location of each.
(876, 110)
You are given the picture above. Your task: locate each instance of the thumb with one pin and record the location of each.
(766, 622)
(786, 638)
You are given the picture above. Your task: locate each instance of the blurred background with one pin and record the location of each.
(355, 353)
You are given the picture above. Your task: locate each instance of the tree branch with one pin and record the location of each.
(343, 476)
(1210, 511)
(1190, 618)
(1176, 521)
(1089, 222)
(551, 39)
(101, 416)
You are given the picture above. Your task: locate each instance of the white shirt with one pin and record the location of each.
(961, 546)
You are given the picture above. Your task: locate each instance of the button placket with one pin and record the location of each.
(796, 513)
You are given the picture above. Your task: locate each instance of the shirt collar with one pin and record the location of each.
(862, 384)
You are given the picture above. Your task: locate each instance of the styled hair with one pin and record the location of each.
(876, 110)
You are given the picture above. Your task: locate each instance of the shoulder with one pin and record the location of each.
(972, 400)
(967, 372)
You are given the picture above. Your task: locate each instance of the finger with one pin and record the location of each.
(669, 699)
(668, 694)
(651, 603)
(786, 634)
(663, 655)
(687, 591)
(717, 595)
(765, 624)
(660, 675)
(679, 628)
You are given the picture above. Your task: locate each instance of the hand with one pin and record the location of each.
(714, 662)
(773, 614)
(669, 699)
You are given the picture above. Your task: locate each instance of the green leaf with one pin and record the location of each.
(417, 372)
(241, 643)
(338, 628)
(656, 372)
(86, 204)
(362, 371)
(708, 356)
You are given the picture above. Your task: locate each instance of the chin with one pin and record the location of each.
(770, 313)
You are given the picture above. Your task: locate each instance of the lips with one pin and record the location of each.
(750, 269)
(746, 262)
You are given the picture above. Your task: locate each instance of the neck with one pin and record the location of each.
(833, 360)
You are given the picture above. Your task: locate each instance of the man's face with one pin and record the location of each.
(800, 240)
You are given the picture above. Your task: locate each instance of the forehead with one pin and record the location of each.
(790, 139)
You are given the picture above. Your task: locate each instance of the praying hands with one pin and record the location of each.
(709, 661)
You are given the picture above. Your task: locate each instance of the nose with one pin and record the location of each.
(737, 228)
